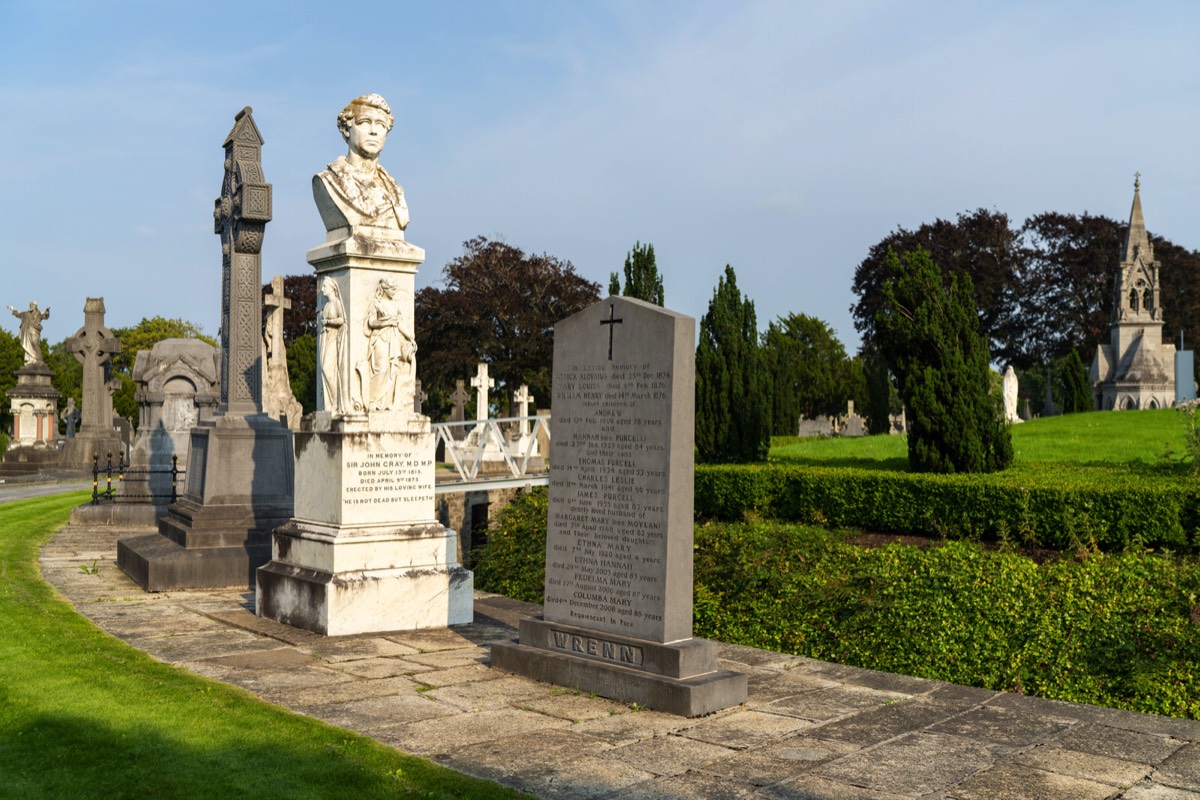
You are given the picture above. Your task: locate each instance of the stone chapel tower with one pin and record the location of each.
(1137, 368)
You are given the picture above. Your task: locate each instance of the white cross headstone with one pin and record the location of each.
(523, 398)
(482, 383)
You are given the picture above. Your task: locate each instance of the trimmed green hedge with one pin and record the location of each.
(1064, 507)
(1117, 630)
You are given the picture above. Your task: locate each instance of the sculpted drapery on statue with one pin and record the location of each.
(333, 348)
(355, 191)
(31, 331)
(390, 351)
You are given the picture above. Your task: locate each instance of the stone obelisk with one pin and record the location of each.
(364, 551)
(240, 463)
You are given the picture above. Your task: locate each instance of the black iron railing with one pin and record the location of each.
(121, 469)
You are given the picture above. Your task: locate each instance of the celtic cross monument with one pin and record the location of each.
(240, 464)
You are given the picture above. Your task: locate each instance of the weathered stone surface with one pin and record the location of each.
(946, 760)
(93, 346)
(1101, 769)
(1016, 782)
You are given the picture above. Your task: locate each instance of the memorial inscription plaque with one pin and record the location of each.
(617, 618)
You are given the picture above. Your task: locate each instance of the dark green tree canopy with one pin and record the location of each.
(981, 244)
(499, 305)
(810, 373)
(641, 276)
(928, 333)
(732, 407)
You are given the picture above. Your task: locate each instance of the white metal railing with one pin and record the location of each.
(513, 440)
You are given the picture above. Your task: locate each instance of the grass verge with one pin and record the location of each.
(84, 715)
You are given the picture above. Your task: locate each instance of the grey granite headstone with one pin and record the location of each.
(618, 601)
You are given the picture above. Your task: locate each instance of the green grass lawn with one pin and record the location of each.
(1100, 438)
(84, 715)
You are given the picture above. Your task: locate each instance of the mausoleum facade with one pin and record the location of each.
(1136, 369)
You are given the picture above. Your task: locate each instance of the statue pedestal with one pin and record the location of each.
(364, 552)
(239, 488)
(34, 407)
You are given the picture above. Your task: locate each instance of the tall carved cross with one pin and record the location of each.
(240, 218)
(611, 322)
(93, 346)
(482, 383)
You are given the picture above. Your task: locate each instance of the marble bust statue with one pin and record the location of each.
(355, 192)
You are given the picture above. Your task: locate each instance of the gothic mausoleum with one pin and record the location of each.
(1136, 369)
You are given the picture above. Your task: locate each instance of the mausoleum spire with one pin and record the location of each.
(1137, 241)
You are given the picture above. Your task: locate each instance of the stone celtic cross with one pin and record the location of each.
(240, 219)
(523, 398)
(93, 346)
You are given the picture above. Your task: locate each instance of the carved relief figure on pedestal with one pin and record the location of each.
(31, 331)
(355, 191)
(390, 352)
(333, 348)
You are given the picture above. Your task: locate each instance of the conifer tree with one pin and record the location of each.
(1076, 383)
(732, 389)
(930, 337)
(641, 276)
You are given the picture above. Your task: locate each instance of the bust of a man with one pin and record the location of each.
(354, 192)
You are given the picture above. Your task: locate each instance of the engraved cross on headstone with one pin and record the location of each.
(482, 383)
(611, 322)
(93, 346)
(240, 218)
(523, 398)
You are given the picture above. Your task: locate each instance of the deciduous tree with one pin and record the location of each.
(732, 405)
(497, 305)
(981, 244)
(928, 332)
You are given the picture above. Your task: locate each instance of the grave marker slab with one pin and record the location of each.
(618, 602)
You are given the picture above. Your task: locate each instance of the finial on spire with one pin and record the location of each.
(1137, 181)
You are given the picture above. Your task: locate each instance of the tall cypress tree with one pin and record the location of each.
(929, 334)
(641, 276)
(732, 392)
(1076, 383)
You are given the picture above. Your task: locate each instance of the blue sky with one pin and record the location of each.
(783, 138)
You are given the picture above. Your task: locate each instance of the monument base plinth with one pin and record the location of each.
(239, 490)
(337, 582)
(677, 677)
(83, 451)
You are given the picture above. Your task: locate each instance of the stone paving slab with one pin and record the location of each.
(809, 729)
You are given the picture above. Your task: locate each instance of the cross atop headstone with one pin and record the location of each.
(93, 346)
(482, 383)
(523, 398)
(611, 322)
(240, 218)
(419, 397)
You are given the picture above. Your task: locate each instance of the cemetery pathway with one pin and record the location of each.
(809, 729)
